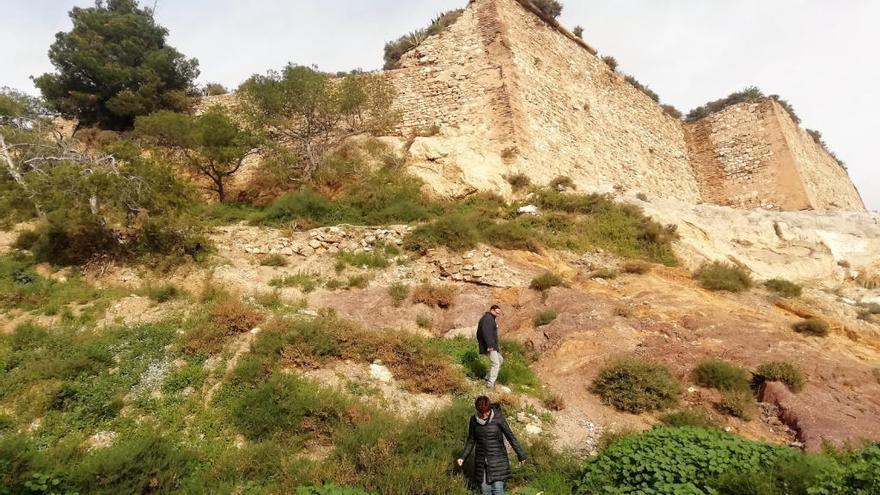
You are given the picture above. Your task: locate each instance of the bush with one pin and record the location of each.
(605, 273)
(644, 89)
(163, 293)
(550, 8)
(783, 287)
(510, 235)
(274, 260)
(234, 317)
(544, 317)
(554, 402)
(671, 111)
(435, 296)
(739, 404)
(398, 292)
(423, 321)
(358, 282)
(307, 282)
(720, 276)
(365, 259)
(698, 418)
(636, 386)
(518, 181)
(455, 232)
(783, 371)
(610, 61)
(749, 94)
(636, 267)
(714, 373)
(546, 281)
(394, 50)
(561, 183)
(813, 327)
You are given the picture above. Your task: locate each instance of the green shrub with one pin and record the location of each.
(307, 282)
(783, 287)
(813, 327)
(357, 282)
(698, 418)
(636, 267)
(330, 489)
(512, 235)
(546, 281)
(516, 372)
(714, 373)
(274, 260)
(739, 404)
(723, 277)
(544, 317)
(455, 232)
(435, 296)
(398, 292)
(674, 460)
(423, 321)
(365, 259)
(163, 293)
(747, 483)
(26, 239)
(749, 94)
(636, 386)
(561, 183)
(394, 50)
(550, 8)
(519, 181)
(783, 371)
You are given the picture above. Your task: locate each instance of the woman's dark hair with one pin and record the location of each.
(482, 404)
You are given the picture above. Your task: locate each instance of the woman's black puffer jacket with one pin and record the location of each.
(491, 454)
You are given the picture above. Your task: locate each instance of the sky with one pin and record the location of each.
(818, 55)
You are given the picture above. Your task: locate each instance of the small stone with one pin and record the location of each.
(381, 373)
(533, 429)
(314, 244)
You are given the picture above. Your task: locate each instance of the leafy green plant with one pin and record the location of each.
(545, 317)
(398, 292)
(783, 371)
(783, 287)
(813, 327)
(636, 386)
(723, 277)
(714, 373)
(691, 417)
(546, 281)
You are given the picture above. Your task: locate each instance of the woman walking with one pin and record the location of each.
(486, 433)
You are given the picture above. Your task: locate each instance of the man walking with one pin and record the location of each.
(487, 430)
(487, 339)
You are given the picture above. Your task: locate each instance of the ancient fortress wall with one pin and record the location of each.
(827, 182)
(581, 119)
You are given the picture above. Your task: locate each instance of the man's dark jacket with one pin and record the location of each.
(490, 455)
(487, 333)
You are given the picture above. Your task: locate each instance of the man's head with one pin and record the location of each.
(495, 310)
(482, 406)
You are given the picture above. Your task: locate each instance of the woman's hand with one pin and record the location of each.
(460, 462)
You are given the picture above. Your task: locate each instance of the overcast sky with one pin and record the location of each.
(820, 56)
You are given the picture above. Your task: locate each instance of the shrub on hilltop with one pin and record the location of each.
(396, 49)
(782, 371)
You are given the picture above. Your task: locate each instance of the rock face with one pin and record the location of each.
(793, 245)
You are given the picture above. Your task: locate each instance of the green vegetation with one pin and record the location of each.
(307, 282)
(435, 296)
(605, 273)
(163, 293)
(545, 317)
(363, 259)
(783, 371)
(562, 183)
(813, 327)
(749, 94)
(518, 182)
(276, 260)
(692, 417)
(516, 372)
(114, 65)
(723, 277)
(546, 281)
(550, 8)
(714, 373)
(783, 287)
(398, 292)
(739, 404)
(394, 50)
(636, 386)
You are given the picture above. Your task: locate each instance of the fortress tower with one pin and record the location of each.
(511, 91)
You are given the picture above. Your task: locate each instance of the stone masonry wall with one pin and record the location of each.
(741, 159)
(827, 183)
(581, 119)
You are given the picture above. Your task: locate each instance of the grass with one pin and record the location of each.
(636, 267)
(358, 282)
(235, 317)
(636, 385)
(690, 417)
(163, 293)
(544, 317)
(813, 327)
(518, 182)
(363, 259)
(398, 292)
(306, 282)
(515, 373)
(783, 287)
(739, 404)
(714, 373)
(719, 276)
(785, 372)
(424, 321)
(274, 260)
(605, 274)
(546, 281)
(435, 296)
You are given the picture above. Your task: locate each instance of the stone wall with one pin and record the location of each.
(827, 183)
(581, 119)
